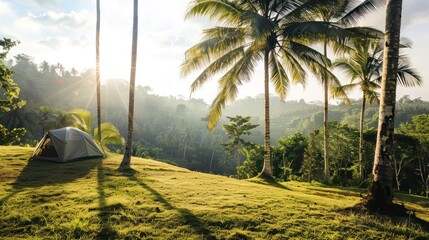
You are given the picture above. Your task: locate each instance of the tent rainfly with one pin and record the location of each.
(66, 144)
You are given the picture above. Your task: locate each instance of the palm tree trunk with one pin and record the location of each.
(361, 141)
(267, 170)
(380, 191)
(127, 154)
(327, 176)
(211, 159)
(427, 186)
(97, 71)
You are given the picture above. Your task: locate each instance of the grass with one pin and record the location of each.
(92, 199)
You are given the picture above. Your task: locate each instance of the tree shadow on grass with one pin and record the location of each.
(38, 173)
(267, 182)
(188, 217)
(106, 230)
(10, 195)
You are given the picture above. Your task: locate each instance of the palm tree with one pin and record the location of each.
(339, 14)
(127, 154)
(82, 120)
(380, 193)
(46, 118)
(109, 135)
(97, 69)
(253, 31)
(63, 119)
(364, 63)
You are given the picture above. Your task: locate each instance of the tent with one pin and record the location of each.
(66, 144)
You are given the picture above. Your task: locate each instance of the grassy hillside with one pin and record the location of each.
(91, 199)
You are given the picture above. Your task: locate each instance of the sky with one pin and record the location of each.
(64, 32)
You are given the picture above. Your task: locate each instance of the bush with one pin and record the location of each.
(11, 137)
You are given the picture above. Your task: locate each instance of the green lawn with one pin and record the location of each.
(91, 199)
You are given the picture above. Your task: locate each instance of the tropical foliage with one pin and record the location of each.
(363, 65)
(110, 135)
(8, 87)
(235, 130)
(252, 31)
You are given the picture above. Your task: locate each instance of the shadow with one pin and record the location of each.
(7, 197)
(106, 230)
(38, 173)
(188, 217)
(268, 182)
(326, 192)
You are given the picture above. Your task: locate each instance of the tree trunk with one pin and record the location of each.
(397, 172)
(211, 160)
(327, 175)
(97, 72)
(380, 194)
(267, 170)
(427, 186)
(184, 148)
(361, 141)
(127, 154)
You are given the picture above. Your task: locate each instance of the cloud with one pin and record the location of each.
(40, 4)
(415, 12)
(5, 9)
(57, 43)
(57, 20)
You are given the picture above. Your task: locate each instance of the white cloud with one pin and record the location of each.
(57, 43)
(5, 10)
(40, 4)
(55, 21)
(415, 12)
(64, 31)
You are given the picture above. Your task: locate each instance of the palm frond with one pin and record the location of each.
(347, 87)
(351, 68)
(372, 96)
(217, 42)
(306, 10)
(220, 10)
(228, 84)
(109, 135)
(259, 26)
(82, 119)
(294, 67)
(368, 6)
(279, 77)
(313, 30)
(219, 65)
(407, 76)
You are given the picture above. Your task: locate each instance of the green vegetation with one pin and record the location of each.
(109, 134)
(91, 199)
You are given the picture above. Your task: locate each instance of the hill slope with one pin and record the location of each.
(93, 200)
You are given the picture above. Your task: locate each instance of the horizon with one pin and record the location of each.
(65, 33)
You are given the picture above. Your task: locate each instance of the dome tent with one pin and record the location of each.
(66, 144)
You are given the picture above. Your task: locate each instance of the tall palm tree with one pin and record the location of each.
(253, 30)
(364, 63)
(126, 160)
(380, 193)
(97, 70)
(338, 14)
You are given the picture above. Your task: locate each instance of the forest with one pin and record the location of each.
(174, 130)
(119, 160)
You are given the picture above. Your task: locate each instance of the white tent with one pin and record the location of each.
(66, 144)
